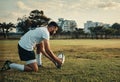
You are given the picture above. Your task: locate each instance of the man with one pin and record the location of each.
(38, 37)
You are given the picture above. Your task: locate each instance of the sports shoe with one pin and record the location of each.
(62, 57)
(6, 66)
(41, 66)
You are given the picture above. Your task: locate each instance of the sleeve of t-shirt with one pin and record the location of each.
(45, 35)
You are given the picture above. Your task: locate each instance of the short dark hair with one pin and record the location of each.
(52, 23)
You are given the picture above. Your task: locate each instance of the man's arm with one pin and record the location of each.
(40, 48)
(50, 53)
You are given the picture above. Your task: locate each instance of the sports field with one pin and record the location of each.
(86, 61)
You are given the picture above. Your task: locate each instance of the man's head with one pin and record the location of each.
(52, 27)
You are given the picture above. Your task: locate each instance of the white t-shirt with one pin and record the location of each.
(33, 37)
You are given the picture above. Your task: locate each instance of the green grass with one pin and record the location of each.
(86, 61)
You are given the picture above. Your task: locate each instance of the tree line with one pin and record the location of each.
(104, 32)
(95, 32)
(37, 18)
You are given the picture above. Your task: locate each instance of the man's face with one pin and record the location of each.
(53, 30)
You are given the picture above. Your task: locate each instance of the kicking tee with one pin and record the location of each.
(33, 37)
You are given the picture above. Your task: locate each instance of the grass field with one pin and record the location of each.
(86, 61)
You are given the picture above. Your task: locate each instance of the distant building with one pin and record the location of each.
(89, 24)
(67, 25)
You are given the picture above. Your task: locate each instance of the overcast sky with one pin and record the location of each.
(106, 11)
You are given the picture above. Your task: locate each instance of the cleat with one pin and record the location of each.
(41, 66)
(6, 66)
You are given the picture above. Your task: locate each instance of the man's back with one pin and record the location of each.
(33, 37)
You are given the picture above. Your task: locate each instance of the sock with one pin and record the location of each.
(39, 59)
(17, 66)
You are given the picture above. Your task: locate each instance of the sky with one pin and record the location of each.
(106, 11)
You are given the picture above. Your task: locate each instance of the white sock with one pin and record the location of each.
(17, 66)
(39, 59)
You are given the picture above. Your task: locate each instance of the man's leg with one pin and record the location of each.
(31, 66)
(29, 57)
(39, 55)
(39, 59)
(27, 68)
(19, 67)
(8, 65)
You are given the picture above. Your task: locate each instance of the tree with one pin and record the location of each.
(0, 27)
(6, 28)
(78, 32)
(116, 27)
(36, 19)
(97, 31)
(108, 31)
(92, 31)
(24, 24)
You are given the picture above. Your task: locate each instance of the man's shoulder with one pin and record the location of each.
(41, 28)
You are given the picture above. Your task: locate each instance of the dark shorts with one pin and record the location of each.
(25, 55)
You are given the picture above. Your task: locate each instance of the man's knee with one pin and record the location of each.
(34, 67)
